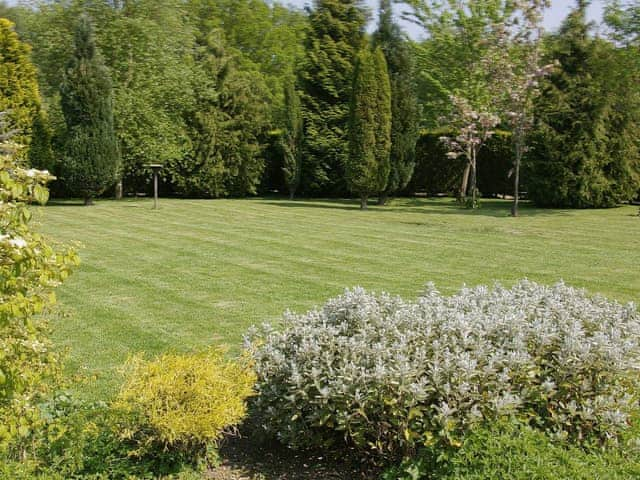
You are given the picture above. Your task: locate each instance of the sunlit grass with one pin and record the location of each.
(199, 272)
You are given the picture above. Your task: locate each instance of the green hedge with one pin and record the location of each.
(435, 173)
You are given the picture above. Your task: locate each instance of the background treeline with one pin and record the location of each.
(239, 97)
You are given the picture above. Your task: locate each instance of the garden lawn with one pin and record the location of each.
(200, 272)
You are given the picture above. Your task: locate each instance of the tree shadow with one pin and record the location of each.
(496, 208)
(78, 202)
(65, 203)
(327, 204)
(244, 457)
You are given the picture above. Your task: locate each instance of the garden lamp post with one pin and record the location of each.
(156, 167)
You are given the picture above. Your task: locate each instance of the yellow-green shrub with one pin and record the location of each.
(184, 402)
(30, 269)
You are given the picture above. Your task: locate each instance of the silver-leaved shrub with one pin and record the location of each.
(389, 375)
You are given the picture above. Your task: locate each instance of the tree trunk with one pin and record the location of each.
(383, 198)
(119, 190)
(363, 202)
(292, 193)
(465, 181)
(474, 177)
(88, 201)
(516, 184)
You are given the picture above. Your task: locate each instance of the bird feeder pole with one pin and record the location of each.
(155, 167)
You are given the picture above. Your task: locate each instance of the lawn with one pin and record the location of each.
(199, 272)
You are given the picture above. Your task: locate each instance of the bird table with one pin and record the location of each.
(155, 167)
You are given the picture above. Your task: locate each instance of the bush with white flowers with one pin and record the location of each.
(30, 269)
(388, 375)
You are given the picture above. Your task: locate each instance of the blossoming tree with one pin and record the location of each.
(474, 127)
(515, 65)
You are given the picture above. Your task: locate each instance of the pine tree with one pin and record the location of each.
(91, 151)
(336, 33)
(405, 110)
(583, 155)
(19, 94)
(367, 168)
(292, 138)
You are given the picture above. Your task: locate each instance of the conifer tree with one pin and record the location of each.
(19, 94)
(292, 138)
(405, 111)
(40, 150)
(583, 152)
(91, 152)
(226, 124)
(367, 168)
(336, 33)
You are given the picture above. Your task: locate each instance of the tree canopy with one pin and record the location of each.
(242, 97)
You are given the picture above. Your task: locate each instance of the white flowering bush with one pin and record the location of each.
(389, 375)
(30, 269)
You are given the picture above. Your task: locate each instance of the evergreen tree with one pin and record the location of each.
(367, 168)
(91, 152)
(40, 150)
(583, 151)
(292, 139)
(19, 95)
(226, 126)
(405, 110)
(335, 35)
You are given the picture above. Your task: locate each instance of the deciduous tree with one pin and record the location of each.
(515, 65)
(473, 129)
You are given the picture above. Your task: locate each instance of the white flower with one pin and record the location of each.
(18, 242)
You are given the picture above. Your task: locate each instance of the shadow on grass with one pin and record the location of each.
(441, 206)
(66, 203)
(76, 202)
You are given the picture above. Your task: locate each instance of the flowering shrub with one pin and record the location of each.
(30, 268)
(390, 375)
(183, 403)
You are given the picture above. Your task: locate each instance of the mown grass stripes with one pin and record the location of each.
(197, 272)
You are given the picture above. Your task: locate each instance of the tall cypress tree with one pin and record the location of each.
(292, 138)
(91, 151)
(583, 155)
(335, 35)
(367, 168)
(405, 110)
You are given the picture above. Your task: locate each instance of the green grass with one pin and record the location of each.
(195, 273)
